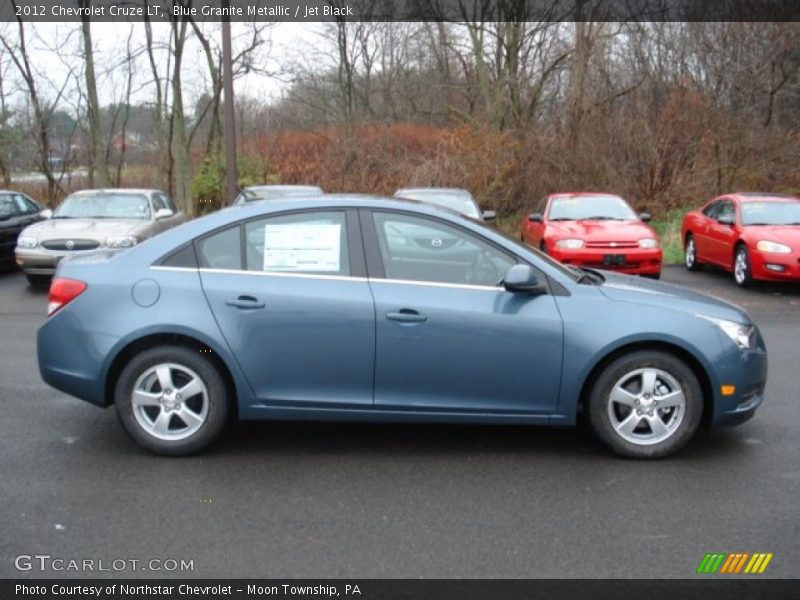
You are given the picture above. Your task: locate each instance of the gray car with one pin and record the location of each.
(257, 193)
(92, 219)
(455, 199)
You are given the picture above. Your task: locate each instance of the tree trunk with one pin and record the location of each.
(98, 167)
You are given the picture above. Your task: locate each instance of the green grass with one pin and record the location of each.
(669, 230)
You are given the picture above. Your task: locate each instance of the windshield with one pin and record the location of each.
(104, 206)
(573, 274)
(461, 202)
(590, 208)
(770, 213)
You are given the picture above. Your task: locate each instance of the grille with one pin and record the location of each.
(612, 244)
(71, 245)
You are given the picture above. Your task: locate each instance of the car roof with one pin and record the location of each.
(762, 197)
(117, 191)
(279, 187)
(424, 190)
(580, 194)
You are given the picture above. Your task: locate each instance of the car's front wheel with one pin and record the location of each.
(646, 404)
(171, 400)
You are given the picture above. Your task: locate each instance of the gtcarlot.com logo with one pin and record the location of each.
(735, 563)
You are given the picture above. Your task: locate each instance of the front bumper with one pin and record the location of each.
(746, 370)
(768, 266)
(40, 261)
(633, 261)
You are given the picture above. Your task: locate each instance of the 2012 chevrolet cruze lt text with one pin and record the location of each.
(360, 308)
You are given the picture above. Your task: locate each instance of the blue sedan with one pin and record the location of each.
(371, 309)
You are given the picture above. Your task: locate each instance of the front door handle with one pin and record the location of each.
(245, 302)
(406, 315)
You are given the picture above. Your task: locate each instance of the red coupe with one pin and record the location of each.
(757, 236)
(594, 230)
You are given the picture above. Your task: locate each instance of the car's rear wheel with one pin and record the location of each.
(690, 254)
(171, 400)
(742, 273)
(646, 404)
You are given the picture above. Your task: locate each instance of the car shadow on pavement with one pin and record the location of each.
(717, 276)
(415, 440)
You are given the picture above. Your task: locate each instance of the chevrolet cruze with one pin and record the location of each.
(370, 309)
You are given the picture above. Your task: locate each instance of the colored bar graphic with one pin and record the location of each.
(732, 563)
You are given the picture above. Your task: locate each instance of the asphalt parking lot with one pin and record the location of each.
(332, 500)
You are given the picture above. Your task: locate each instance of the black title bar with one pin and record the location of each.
(400, 10)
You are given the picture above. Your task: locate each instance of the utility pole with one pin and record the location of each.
(230, 115)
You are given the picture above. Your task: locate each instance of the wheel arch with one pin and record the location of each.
(151, 340)
(682, 353)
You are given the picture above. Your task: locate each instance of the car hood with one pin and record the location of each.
(96, 229)
(627, 288)
(603, 231)
(783, 234)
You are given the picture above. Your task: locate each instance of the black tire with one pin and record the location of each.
(684, 424)
(39, 281)
(743, 277)
(690, 254)
(185, 361)
(543, 247)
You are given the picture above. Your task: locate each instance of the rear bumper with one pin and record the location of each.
(636, 261)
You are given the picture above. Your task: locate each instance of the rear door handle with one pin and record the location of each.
(245, 303)
(406, 315)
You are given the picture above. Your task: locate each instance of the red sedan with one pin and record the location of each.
(756, 236)
(594, 230)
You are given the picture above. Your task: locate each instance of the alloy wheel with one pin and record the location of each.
(646, 406)
(170, 401)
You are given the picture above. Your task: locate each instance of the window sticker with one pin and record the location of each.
(306, 247)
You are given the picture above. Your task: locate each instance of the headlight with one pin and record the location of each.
(767, 246)
(26, 242)
(569, 244)
(648, 243)
(121, 241)
(741, 335)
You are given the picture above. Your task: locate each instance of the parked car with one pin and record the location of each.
(754, 235)
(257, 193)
(594, 230)
(453, 198)
(17, 211)
(336, 311)
(92, 219)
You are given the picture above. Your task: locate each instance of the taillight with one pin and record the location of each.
(62, 292)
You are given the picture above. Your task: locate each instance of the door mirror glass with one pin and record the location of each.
(488, 215)
(535, 217)
(46, 213)
(163, 213)
(522, 279)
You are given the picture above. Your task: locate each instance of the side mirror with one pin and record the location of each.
(522, 279)
(536, 217)
(645, 216)
(46, 213)
(725, 219)
(488, 215)
(163, 213)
